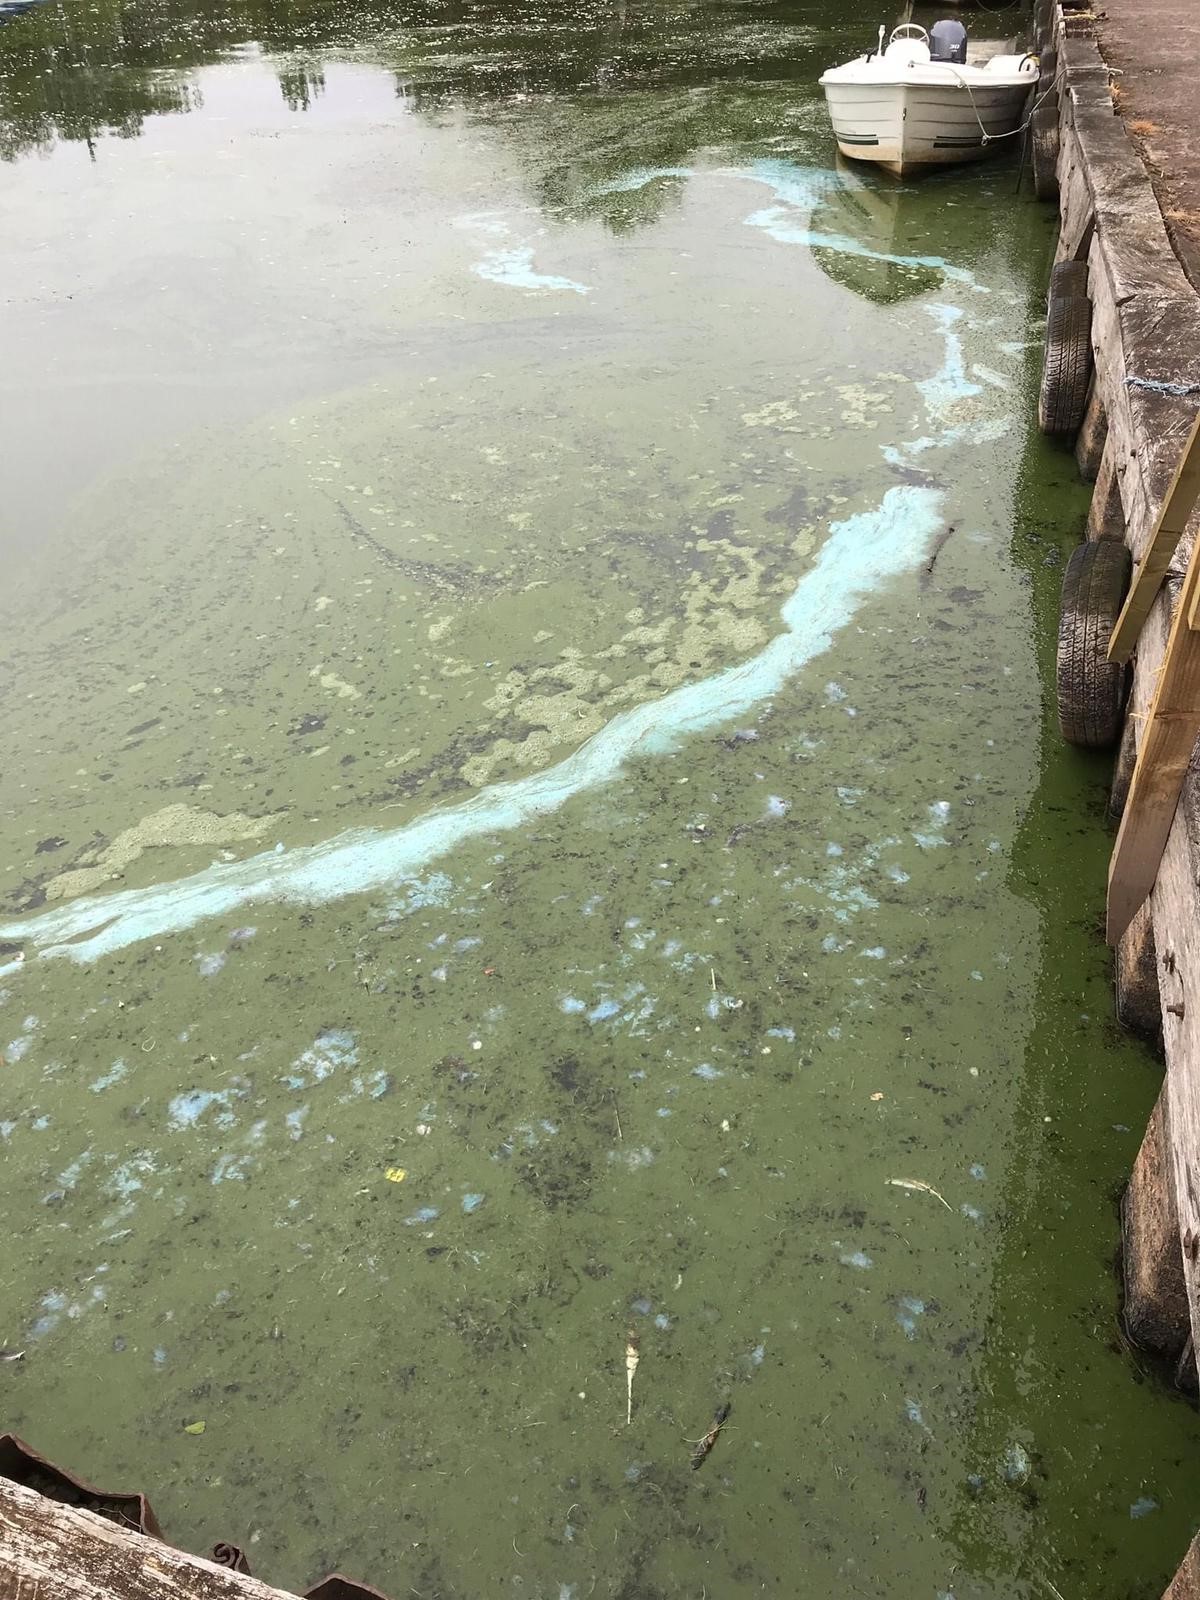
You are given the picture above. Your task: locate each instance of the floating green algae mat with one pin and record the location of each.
(533, 812)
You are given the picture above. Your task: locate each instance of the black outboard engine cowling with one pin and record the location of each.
(948, 41)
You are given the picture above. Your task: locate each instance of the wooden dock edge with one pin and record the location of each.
(50, 1551)
(1185, 1585)
(1146, 327)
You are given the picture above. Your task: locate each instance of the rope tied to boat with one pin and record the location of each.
(991, 138)
(1162, 386)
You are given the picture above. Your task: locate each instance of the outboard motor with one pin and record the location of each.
(948, 41)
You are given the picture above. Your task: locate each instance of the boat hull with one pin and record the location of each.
(903, 127)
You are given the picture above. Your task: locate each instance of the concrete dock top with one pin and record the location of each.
(1155, 44)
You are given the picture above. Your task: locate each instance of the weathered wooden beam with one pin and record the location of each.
(1185, 1585)
(1156, 1305)
(1133, 334)
(1106, 514)
(1169, 528)
(1092, 437)
(1135, 973)
(1177, 931)
(50, 1551)
(1164, 751)
(1076, 207)
(1123, 769)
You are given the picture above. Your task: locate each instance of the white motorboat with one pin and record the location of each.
(921, 101)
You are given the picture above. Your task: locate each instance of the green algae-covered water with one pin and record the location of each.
(531, 812)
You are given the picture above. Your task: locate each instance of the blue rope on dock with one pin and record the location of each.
(1159, 386)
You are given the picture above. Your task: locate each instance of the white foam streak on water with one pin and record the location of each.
(798, 189)
(950, 383)
(514, 268)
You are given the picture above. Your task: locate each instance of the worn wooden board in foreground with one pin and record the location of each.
(50, 1551)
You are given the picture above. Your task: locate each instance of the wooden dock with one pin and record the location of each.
(1141, 438)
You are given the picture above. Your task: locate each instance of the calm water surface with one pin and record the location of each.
(530, 812)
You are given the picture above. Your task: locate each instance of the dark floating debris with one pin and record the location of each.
(704, 1446)
(231, 1556)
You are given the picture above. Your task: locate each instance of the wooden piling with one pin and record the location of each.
(1156, 1304)
(1106, 514)
(1092, 436)
(1123, 769)
(1139, 1006)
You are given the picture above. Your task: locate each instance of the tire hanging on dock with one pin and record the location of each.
(1043, 150)
(1067, 278)
(1091, 689)
(1068, 365)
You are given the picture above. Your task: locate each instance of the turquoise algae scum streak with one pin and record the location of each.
(797, 189)
(861, 554)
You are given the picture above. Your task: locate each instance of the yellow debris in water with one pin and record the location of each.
(921, 1187)
(395, 1174)
(194, 1427)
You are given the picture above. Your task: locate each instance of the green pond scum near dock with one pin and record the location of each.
(531, 813)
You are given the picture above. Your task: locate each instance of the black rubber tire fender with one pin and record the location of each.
(1067, 278)
(1067, 368)
(1047, 68)
(1043, 152)
(1091, 689)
